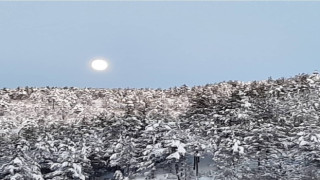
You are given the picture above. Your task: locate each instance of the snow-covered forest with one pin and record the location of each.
(255, 130)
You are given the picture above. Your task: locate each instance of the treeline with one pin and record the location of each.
(256, 130)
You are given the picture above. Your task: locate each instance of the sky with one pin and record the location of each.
(155, 44)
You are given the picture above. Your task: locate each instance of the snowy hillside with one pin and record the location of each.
(257, 130)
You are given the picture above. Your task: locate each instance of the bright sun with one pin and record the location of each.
(99, 64)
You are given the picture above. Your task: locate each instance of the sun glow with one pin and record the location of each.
(99, 64)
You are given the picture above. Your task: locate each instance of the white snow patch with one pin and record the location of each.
(174, 155)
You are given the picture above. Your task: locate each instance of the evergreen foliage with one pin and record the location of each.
(256, 130)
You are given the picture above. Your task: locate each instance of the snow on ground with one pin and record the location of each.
(205, 168)
(172, 177)
(206, 165)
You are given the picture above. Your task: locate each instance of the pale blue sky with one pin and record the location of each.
(156, 44)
